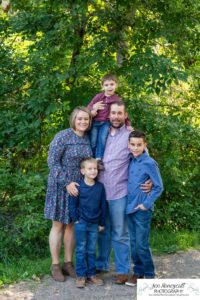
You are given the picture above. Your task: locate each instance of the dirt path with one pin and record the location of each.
(179, 265)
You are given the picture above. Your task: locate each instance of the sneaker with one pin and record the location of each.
(95, 280)
(121, 278)
(68, 269)
(100, 165)
(80, 282)
(57, 273)
(133, 280)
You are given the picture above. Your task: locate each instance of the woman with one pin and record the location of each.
(66, 151)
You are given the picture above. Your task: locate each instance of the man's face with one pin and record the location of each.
(117, 115)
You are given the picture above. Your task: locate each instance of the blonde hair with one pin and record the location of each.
(87, 159)
(74, 115)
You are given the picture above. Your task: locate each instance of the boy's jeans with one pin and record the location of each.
(98, 136)
(86, 238)
(139, 229)
(116, 230)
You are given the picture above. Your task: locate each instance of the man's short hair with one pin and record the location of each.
(119, 102)
(137, 134)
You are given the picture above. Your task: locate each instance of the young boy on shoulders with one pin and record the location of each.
(140, 205)
(100, 110)
(87, 211)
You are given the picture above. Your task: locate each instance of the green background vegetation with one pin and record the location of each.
(52, 56)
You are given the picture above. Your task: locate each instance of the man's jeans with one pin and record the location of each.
(86, 238)
(116, 230)
(139, 229)
(98, 136)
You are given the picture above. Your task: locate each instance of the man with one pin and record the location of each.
(115, 179)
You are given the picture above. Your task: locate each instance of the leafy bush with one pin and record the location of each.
(174, 144)
(23, 230)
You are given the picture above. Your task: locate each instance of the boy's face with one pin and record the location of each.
(109, 87)
(136, 146)
(90, 170)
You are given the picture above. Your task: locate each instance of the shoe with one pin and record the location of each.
(132, 281)
(121, 278)
(68, 269)
(99, 271)
(57, 273)
(100, 165)
(80, 282)
(95, 280)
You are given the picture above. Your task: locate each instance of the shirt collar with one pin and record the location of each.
(141, 157)
(118, 130)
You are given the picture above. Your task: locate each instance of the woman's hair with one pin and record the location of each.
(74, 115)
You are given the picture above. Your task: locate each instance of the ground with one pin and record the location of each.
(178, 265)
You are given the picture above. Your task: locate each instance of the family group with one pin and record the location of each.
(101, 190)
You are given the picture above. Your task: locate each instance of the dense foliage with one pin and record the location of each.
(52, 56)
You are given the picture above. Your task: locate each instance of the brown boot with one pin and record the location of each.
(56, 273)
(121, 279)
(80, 282)
(95, 280)
(68, 269)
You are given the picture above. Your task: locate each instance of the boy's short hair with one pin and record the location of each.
(74, 115)
(137, 134)
(87, 159)
(109, 77)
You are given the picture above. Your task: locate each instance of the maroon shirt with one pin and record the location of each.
(103, 114)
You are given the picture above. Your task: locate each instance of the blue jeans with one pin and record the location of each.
(139, 229)
(86, 238)
(116, 230)
(98, 136)
(104, 246)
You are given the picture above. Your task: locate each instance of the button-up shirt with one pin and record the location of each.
(103, 114)
(116, 161)
(141, 169)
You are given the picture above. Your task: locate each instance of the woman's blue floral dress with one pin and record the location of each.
(66, 151)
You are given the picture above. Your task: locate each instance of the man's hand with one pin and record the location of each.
(72, 189)
(147, 186)
(141, 206)
(129, 128)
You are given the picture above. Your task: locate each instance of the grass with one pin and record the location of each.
(23, 269)
(162, 242)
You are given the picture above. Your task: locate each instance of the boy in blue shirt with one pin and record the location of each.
(88, 211)
(140, 205)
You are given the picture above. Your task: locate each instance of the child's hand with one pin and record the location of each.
(98, 106)
(101, 228)
(141, 206)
